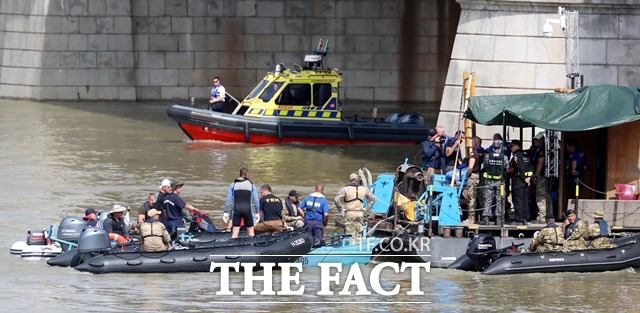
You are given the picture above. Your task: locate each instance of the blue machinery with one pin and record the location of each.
(441, 202)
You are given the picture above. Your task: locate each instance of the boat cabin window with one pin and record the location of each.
(271, 90)
(254, 93)
(321, 94)
(295, 94)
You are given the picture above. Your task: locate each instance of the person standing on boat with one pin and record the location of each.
(473, 180)
(217, 100)
(351, 199)
(290, 210)
(432, 160)
(154, 234)
(599, 232)
(145, 207)
(550, 238)
(316, 213)
(271, 208)
(575, 232)
(452, 151)
(115, 222)
(521, 171)
(575, 168)
(494, 166)
(165, 190)
(539, 178)
(242, 192)
(90, 217)
(173, 206)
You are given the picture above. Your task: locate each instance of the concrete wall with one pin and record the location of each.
(502, 42)
(169, 49)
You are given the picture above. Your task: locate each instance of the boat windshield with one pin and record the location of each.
(270, 91)
(257, 89)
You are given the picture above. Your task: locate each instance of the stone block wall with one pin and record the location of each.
(170, 49)
(66, 50)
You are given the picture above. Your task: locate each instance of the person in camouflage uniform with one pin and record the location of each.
(549, 238)
(575, 232)
(599, 232)
(351, 199)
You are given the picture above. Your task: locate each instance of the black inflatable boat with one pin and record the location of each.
(185, 239)
(482, 256)
(197, 257)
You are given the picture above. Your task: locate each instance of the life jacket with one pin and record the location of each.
(352, 194)
(143, 231)
(554, 226)
(200, 224)
(604, 228)
(313, 207)
(569, 230)
(214, 91)
(289, 206)
(520, 156)
(495, 167)
(528, 166)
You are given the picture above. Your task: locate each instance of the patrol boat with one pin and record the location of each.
(297, 105)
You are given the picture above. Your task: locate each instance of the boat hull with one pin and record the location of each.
(199, 124)
(285, 247)
(626, 255)
(439, 251)
(35, 252)
(344, 254)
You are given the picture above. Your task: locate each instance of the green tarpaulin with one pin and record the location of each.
(586, 108)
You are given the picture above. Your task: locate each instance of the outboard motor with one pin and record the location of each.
(481, 249)
(102, 216)
(36, 237)
(69, 230)
(93, 239)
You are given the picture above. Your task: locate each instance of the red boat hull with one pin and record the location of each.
(196, 132)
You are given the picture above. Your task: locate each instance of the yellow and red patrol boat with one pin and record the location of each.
(296, 105)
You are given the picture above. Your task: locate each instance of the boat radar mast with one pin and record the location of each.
(315, 61)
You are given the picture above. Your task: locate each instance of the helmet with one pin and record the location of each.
(497, 144)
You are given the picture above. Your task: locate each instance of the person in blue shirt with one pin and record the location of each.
(173, 206)
(574, 168)
(241, 192)
(315, 208)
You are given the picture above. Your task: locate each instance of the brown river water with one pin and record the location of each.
(58, 159)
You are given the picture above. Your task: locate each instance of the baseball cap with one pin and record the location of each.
(516, 142)
(432, 132)
(153, 212)
(89, 211)
(165, 182)
(540, 135)
(294, 193)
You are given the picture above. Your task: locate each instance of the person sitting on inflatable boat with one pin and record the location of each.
(155, 236)
(90, 217)
(115, 223)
